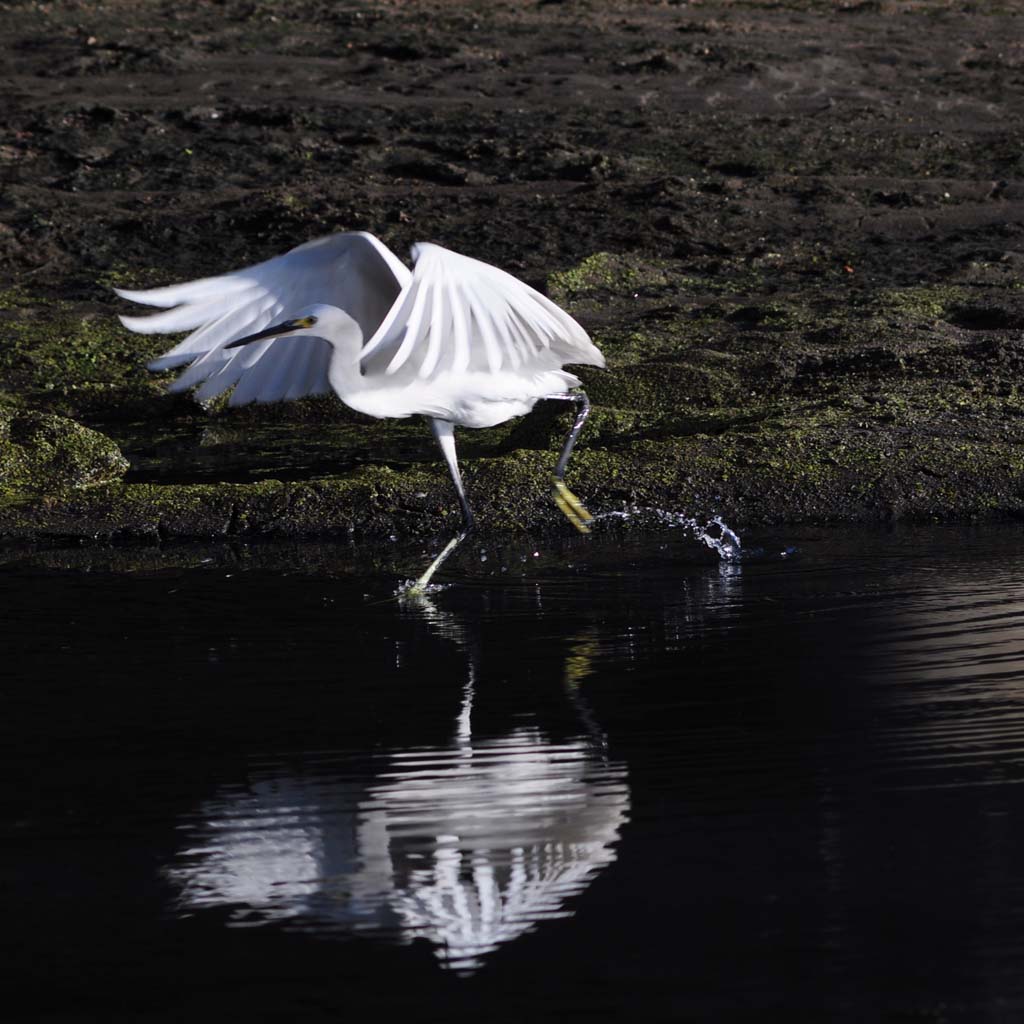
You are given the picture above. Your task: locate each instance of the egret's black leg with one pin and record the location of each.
(580, 397)
(570, 505)
(444, 431)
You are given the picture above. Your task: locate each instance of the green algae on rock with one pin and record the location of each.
(45, 454)
(73, 361)
(776, 473)
(607, 274)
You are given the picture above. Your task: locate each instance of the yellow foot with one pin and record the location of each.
(571, 506)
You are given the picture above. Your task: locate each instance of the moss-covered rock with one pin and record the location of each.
(74, 361)
(45, 454)
(606, 274)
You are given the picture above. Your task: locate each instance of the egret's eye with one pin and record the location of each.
(305, 321)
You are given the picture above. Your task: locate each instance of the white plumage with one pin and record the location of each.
(455, 339)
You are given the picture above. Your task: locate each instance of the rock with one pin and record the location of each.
(41, 453)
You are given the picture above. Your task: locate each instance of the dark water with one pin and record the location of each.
(613, 780)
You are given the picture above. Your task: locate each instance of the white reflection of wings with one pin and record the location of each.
(468, 845)
(486, 842)
(257, 855)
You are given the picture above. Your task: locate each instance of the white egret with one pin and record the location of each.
(455, 340)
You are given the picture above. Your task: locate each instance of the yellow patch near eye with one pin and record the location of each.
(305, 321)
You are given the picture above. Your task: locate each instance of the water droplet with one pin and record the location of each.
(714, 533)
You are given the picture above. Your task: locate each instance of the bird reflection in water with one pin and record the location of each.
(467, 845)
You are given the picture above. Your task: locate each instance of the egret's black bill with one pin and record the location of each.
(271, 332)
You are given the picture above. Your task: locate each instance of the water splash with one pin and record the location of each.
(408, 591)
(714, 532)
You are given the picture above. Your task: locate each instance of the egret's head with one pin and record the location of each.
(319, 321)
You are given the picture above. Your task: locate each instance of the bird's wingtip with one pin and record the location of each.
(162, 363)
(140, 296)
(138, 324)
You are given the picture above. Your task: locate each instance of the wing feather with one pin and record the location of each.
(511, 330)
(492, 346)
(215, 382)
(317, 382)
(352, 270)
(259, 378)
(439, 321)
(295, 384)
(434, 339)
(245, 319)
(460, 330)
(416, 326)
(189, 292)
(478, 319)
(185, 318)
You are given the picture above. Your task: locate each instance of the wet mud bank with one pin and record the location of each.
(796, 230)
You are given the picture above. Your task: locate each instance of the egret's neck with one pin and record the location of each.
(344, 371)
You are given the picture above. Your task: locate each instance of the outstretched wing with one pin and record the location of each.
(353, 271)
(456, 314)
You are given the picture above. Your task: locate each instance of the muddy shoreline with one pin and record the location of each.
(796, 230)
